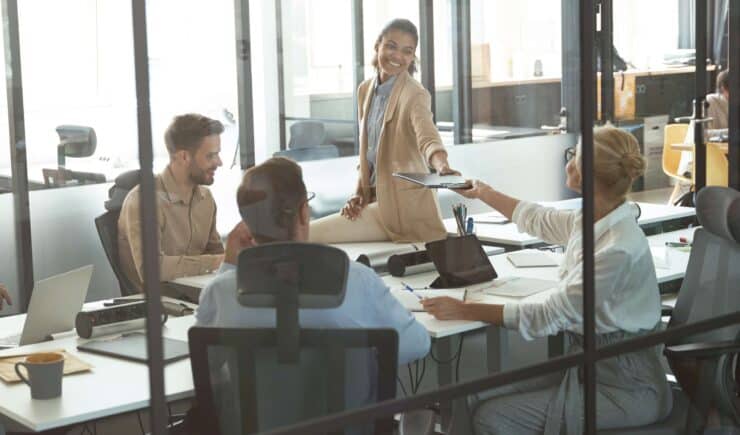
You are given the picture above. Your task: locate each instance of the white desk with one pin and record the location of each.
(84, 395)
(508, 234)
(114, 386)
(497, 338)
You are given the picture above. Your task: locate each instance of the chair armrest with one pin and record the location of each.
(666, 310)
(702, 350)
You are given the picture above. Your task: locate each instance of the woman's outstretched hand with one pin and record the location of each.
(474, 191)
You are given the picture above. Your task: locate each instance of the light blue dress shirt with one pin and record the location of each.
(367, 303)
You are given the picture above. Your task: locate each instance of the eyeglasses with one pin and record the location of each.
(310, 196)
(570, 152)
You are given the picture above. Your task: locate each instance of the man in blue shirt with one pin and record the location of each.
(273, 202)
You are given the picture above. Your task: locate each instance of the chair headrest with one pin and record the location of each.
(121, 186)
(317, 272)
(718, 210)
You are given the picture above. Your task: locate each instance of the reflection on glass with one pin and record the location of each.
(80, 114)
(516, 68)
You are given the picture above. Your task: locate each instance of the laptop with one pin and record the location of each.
(435, 181)
(460, 261)
(55, 302)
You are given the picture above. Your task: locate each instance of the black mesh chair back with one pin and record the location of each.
(711, 288)
(242, 388)
(107, 226)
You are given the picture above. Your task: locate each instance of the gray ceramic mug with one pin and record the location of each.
(45, 370)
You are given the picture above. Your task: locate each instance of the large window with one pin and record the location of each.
(80, 75)
(192, 67)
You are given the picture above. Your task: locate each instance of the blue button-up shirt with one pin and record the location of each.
(374, 121)
(367, 303)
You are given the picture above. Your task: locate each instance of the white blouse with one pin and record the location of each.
(626, 289)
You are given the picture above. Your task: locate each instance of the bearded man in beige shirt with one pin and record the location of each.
(188, 241)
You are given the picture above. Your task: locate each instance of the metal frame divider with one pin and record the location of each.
(149, 226)
(426, 49)
(358, 59)
(607, 60)
(280, 72)
(571, 80)
(587, 31)
(244, 83)
(734, 103)
(19, 164)
(462, 85)
(700, 151)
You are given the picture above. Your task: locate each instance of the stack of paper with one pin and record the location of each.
(531, 258)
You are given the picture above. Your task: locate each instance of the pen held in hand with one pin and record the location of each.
(411, 290)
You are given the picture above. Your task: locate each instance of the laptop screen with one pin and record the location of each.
(460, 261)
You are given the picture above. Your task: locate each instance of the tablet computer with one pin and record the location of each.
(435, 181)
(132, 347)
(460, 261)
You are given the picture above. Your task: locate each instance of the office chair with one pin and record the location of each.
(306, 134)
(704, 364)
(250, 380)
(74, 141)
(321, 152)
(674, 134)
(717, 166)
(107, 226)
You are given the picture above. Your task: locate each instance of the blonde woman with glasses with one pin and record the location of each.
(631, 388)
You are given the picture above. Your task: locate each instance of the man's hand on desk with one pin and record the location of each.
(4, 296)
(239, 238)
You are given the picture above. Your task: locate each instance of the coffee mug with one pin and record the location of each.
(45, 370)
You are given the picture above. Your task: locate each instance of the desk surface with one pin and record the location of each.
(114, 386)
(508, 234)
(84, 396)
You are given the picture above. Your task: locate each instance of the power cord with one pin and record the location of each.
(403, 387)
(455, 356)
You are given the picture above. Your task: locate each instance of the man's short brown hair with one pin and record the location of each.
(186, 132)
(270, 198)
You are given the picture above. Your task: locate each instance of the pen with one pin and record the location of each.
(469, 228)
(411, 289)
(677, 244)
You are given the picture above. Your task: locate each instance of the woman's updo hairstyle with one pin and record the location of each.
(402, 25)
(270, 197)
(617, 160)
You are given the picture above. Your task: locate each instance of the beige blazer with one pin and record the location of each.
(408, 138)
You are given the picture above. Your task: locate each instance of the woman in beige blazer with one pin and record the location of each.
(397, 134)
